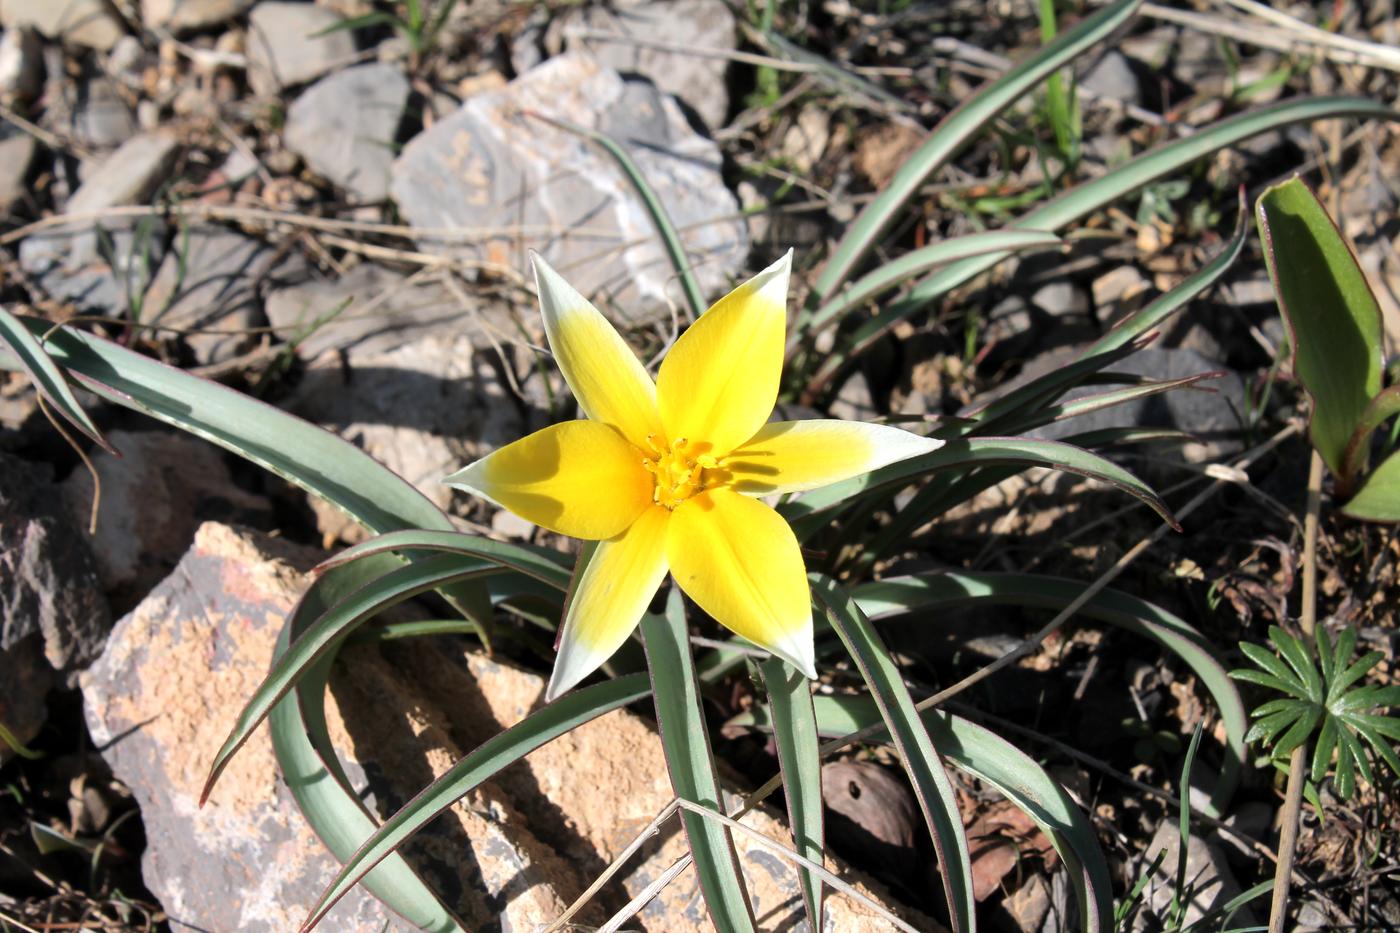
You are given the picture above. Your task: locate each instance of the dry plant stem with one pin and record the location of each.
(1339, 49)
(1297, 762)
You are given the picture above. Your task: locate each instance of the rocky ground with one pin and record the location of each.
(331, 210)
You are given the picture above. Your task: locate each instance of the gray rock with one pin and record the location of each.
(288, 45)
(53, 616)
(344, 127)
(83, 22)
(423, 409)
(153, 498)
(103, 119)
(1112, 76)
(213, 280)
(182, 16)
(639, 28)
(16, 154)
(1061, 299)
(371, 310)
(491, 165)
(21, 64)
(50, 585)
(1209, 881)
(70, 261)
(854, 401)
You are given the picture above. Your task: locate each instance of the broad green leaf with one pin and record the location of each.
(916, 262)
(686, 744)
(1089, 196)
(491, 757)
(1379, 410)
(985, 755)
(1378, 499)
(1333, 320)
(322, 634)
(815, 508)
(313, 773)
(957, 130)
(932, 789)
(927, 593)
(799, 758)
(32, 358)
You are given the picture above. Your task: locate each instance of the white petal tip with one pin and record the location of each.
(798, 651)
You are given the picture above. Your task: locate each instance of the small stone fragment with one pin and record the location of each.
(182, 16)
(83, 22)
(293, 43)
(21, 64)
(16, 154)
(344, 127)
(1112, 76)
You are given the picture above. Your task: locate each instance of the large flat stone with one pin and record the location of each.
(83, 22)
(492, 165)
(344, 127)
(293, 43)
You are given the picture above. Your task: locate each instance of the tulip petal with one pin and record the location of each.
(610, 383)
(739, 561)
(793, 456)
(579, 478)
(718, 384)
(614, 591)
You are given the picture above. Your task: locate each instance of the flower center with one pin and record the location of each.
(678, 469)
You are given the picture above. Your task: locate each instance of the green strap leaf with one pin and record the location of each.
(932, 789)
(550, 567)
(924, 593)
(816, 508)
(309, 765)
(1096, 193)
(320, 635)
(686, 744)
(490, 758)
(957, 130)
(31, 357)
(1333, 320)
(799, 758)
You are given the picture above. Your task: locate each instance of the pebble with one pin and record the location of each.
(288, 45)
(344, 127)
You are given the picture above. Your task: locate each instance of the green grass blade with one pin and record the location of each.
(917, 262)
(686, 744)
(316, 779)
(31, 357)
(925, 593)
(1092, 195)
(955, 132)
(321, 634)
(1333, 319)
(816, 507)
(495, 754)
(799, 758)
(1384, 406)
(665, 229)
(932, 789)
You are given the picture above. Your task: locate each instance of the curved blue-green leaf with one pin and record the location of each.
(549, 567)
(301, 742)
(799, 759)
(321, 635)
(917, 752)
(957, 130)
(491, 757)
(901, 596)
(686, 743)
(815, 508)
(986, 755)
(33, 359)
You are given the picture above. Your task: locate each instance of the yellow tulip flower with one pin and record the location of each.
(667, 475)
